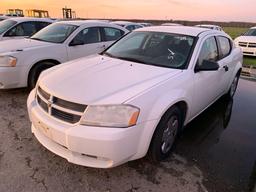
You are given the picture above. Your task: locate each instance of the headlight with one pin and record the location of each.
(8, 61)
(111, 116)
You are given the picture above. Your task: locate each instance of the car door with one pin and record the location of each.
(24, 29)
(110, 35)
(86, 42)
(225, 61)
(207, 84)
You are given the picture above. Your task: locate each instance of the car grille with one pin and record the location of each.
(245, 44)
(248, 53)
(242, 44)
(58, 108)
(253, 45)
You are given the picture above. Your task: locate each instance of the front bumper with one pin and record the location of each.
(9, 77)
(249, 51)
(83, 145)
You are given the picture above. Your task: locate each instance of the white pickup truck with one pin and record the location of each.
(135, 97)
(22, 60)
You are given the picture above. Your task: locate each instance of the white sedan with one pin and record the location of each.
(247, 42)
(128, 25)
(20, 27)
(22, 60)
(135, 98)
(214, 27)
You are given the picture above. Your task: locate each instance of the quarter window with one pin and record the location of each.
(224, 46)
(112, 34)
(209, 51)
(89, 35)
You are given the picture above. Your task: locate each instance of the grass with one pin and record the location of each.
(250, 61)
(235, 32)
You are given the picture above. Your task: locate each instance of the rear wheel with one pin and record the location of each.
(165, 134)
(36, 71)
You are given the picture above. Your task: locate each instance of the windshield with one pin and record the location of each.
(55, 33)
(251, 32)
(5, 25)
(154, 48)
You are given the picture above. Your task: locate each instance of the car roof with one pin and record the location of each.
(171, 24)
(125, 23)
(206, 25)
(185, 30)
(22, 19)
(83, 22)
(92, 22)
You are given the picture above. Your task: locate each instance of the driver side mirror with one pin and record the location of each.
(207, 65)
(76, 42)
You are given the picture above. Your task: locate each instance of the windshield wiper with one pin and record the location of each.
(36, 39)
(108, 54)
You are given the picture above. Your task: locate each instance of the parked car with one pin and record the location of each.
(214, 27)
(171, 24)
(2, 17)
(146, 24)
(20, 27)
(128, 25)
(247, 42)
(21, 61)
(135, 97)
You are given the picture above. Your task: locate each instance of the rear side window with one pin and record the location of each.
(224, 46)
(209, 51)
(23, 29)
(130, 27)
(112, 34)
(41, 25)
(89, 35)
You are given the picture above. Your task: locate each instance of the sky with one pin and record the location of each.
(196, 10)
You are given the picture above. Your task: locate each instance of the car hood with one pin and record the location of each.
(251, 39)
(14, 45)
(102, 80)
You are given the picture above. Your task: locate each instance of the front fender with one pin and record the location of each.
(154, 105)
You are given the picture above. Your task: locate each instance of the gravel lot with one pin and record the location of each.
(213, 154)
(27, 166)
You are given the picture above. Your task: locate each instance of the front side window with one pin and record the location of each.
(224, 46)
(6, 24)
(55, 33)
(88, 36)
(154, 48)
(23, 29)
(209, 51)
(112, 34)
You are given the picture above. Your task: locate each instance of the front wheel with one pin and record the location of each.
(36, 71)
(165, 135)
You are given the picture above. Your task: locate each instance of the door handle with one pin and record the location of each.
(226, 68)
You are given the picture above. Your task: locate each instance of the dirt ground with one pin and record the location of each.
(27, 166)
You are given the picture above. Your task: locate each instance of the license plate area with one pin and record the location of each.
(42, 128)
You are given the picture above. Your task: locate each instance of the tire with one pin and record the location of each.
(165, 135)
(36, 71)
(233, 87)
